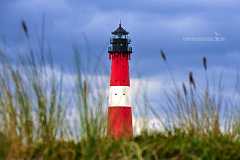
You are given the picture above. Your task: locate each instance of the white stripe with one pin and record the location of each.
(119, 96)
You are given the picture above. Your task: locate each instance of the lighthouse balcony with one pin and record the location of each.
(120, 49)
(120, 40)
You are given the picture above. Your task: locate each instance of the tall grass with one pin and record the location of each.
(35, 122)
(34, 105)
(201, 110)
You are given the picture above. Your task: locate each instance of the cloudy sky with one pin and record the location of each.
(186, 31)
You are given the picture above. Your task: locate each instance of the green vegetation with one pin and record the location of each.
(198, 123)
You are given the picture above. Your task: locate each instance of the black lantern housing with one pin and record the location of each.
(120, 41)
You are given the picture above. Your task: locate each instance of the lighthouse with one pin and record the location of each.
(119, 108)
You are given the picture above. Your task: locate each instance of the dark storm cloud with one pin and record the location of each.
(153, 25)
(171, 6)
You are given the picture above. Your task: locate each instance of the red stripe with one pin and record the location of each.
(119, 70)
(120, 122)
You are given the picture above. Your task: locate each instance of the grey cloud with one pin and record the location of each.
(153, 25)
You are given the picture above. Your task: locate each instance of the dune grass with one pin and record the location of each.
(34, 124)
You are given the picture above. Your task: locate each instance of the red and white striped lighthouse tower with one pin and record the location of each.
(119, 110)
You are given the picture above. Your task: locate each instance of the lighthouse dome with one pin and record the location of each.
(120, 31)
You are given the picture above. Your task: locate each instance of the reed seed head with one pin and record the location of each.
(163, 56)
(205, 63)
(191, 80)
(184, 89)
(85, 88)
(25, 28)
